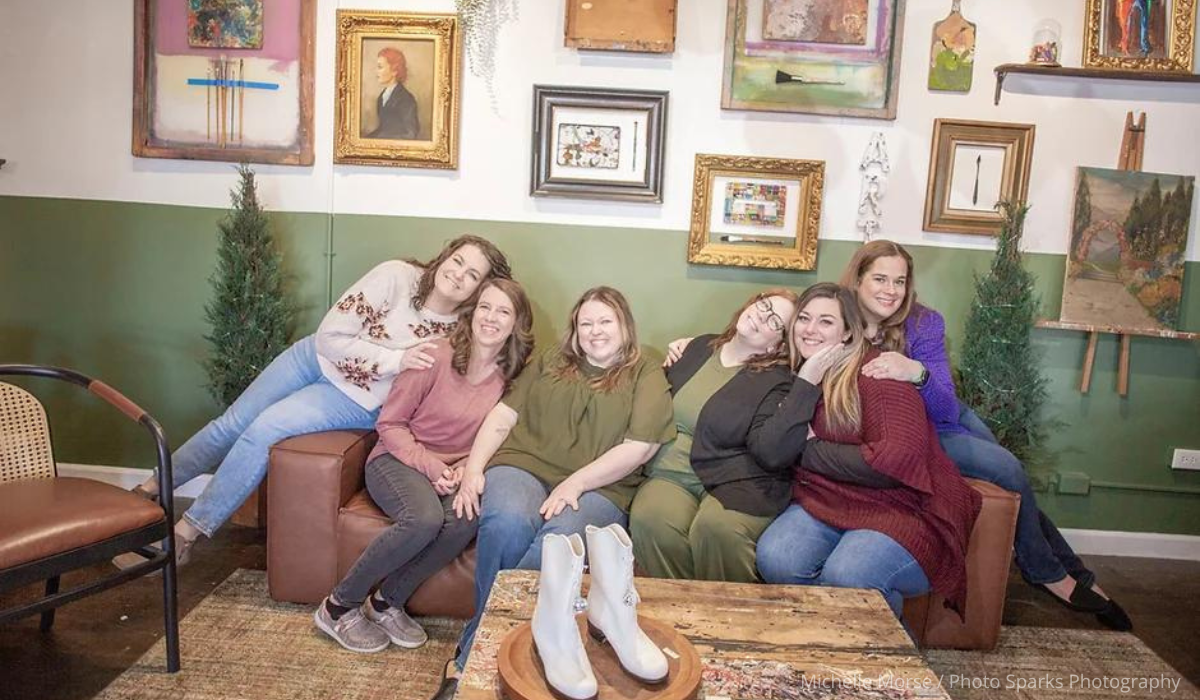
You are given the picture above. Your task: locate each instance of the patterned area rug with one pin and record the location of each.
(1052, 664)
(239, 644)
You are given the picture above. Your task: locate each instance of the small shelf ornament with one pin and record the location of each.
(1047, 42)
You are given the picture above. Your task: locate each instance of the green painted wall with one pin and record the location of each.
(117, 290)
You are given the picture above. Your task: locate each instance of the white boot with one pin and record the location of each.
(612, 605)
(555, 632)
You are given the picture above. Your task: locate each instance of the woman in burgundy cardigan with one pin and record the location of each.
(900, 522)
(911, 338)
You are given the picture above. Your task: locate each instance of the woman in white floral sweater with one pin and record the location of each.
(334, 379)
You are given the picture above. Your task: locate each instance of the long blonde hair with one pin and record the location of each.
(891, 329)
(568, 364)
(840, 386)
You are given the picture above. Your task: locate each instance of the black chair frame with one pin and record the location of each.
(50, 569)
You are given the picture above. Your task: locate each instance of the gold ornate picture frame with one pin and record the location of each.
(398, 79)
(1119, 34)
(756, 212)
(972, 166)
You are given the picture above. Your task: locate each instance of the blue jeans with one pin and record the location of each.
(798, 549)
(511, 532)
(291, 397)
(1042, 554)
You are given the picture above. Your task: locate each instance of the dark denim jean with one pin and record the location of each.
(1042, 554)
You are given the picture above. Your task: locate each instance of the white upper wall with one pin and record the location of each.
(66, 78)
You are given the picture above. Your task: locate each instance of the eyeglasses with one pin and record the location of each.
(774, 321)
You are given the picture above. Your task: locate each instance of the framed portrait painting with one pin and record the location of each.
(1144, 35)
(596, 143)
(838, 57)
(972, 166)
(397, 89)
(227, 80)
(756, 212)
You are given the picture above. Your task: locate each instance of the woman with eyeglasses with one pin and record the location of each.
(711, 492)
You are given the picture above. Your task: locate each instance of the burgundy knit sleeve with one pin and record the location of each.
(895, 432)
(926, 339)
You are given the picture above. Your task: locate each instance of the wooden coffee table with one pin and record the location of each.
(757, 642)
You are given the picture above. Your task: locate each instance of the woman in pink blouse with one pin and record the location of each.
(426, 426)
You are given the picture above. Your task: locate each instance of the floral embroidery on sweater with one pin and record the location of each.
(356, 371)
(372, 319)
(430, 329)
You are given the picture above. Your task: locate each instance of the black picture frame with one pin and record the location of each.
(624, 169)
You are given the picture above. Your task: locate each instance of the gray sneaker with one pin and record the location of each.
(352, 630)
(397, 625)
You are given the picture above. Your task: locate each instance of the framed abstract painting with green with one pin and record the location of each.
(839, 57)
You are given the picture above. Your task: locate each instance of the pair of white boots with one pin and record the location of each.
(611, 610)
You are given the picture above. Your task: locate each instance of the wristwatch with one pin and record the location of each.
(923, 379)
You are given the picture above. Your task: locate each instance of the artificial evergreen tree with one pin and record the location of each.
(249, 314)
(1000, 375)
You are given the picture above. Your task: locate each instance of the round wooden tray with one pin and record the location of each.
(521, 675)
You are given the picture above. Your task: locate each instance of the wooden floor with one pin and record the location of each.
(95, 639)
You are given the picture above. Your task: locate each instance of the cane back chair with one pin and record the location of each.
(52, 525)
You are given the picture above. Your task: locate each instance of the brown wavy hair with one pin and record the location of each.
(516, 351)
(497, 262)
(764, 360)
(890, 335)
(568, 364)
(840, 386)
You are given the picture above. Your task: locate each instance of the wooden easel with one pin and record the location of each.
(1130, 158)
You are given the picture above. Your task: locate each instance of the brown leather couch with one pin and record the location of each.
(320, 519)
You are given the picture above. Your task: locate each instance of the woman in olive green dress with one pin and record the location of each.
(564, 447)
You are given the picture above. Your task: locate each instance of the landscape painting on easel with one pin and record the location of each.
(1128, 237)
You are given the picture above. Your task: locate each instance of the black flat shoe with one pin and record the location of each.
(1114, 617)
(446, 690)
(449, 684)
(1082, 599)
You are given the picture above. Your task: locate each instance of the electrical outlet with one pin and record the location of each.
(1186, 459)
(1075, 483)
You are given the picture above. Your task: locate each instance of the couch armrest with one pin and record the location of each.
(312, 477)
(988, 555)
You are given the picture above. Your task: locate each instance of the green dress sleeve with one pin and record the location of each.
(518, 391)
(653, 416)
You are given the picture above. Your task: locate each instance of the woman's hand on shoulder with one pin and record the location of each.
(893, 365)
(675, 350)
(563, 495)
(470, 488)
(815, 368)
(419, 356)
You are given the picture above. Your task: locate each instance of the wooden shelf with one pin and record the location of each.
(1092, 328)
(1004, 69)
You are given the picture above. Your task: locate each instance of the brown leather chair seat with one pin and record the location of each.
(42, 517)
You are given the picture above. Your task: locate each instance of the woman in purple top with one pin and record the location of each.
(912, 337)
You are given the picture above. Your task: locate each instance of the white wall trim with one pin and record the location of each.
(1151, 545)
(128, 477)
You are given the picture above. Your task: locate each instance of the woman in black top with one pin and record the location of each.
(714, 489)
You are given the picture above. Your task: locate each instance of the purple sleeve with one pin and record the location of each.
(925, 334)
